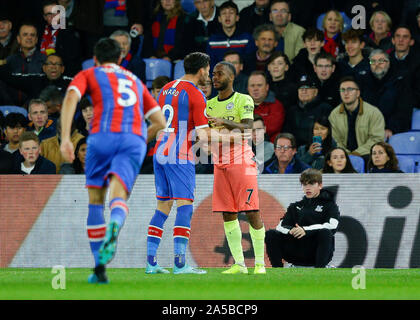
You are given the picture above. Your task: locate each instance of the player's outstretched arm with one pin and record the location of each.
(157, 123)
(67, 113)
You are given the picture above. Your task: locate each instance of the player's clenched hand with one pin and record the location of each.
(216, 122)
(67, 150)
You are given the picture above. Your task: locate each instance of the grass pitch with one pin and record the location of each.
(277, 284)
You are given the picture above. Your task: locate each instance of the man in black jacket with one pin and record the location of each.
(32, 84)
(305, 236)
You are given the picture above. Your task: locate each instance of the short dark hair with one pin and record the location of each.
(277, 54)
(280, 1)
(195, 61)
(228, 4)
(49, 3)
(160, 81)
(27, 136)
(349, 78)
(286, 135)
(229, 66)
(233, 52)
(28, 24)
(259, 73)
(257, 117)
(310, 176)
(14, 119)
(313, 33)
(403, 26)
(353, 34)
(53, 94)
(324, 55)
(84, 103)
(107, 50)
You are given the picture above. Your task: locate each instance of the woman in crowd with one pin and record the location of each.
(338, 161)
(380, 37)
(314, 152)
(333, 25)
(78, 165)
(383, 159)
(166, 37)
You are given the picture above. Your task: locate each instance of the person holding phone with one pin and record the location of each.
(313, 153)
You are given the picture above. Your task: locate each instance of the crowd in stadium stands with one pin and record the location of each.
(326, 96)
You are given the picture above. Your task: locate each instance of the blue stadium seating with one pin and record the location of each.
(407, 144)
(188, 6)
(406, 164)
(156, 68)
(89, 63)
(9, 109)
(415, 122)
(179, 69)
(347, 22)
(358, 163)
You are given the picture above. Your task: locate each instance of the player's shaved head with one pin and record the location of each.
(228, 66)
(107, 50)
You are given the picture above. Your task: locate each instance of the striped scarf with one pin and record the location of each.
(169, 36)
(118, 5)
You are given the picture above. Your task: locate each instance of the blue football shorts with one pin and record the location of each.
(118, 154)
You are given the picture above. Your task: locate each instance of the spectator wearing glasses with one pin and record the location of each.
(290, 41)
(391, 94)
(33, 84)
(356, 125)
(285, 159)
(327, 77)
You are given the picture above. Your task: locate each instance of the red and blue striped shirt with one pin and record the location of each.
(121, 102)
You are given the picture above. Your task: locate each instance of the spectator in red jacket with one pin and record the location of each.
(266, 105)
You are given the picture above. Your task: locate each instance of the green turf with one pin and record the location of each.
(292, 283)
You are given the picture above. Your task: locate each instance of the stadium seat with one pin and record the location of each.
(347, 22)
(156, 68)
(407, 144)
(89, 63)
(406, 164)
(188, 6)
(415, 123)
(179, 69)
(9, 109)
(358, 163)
